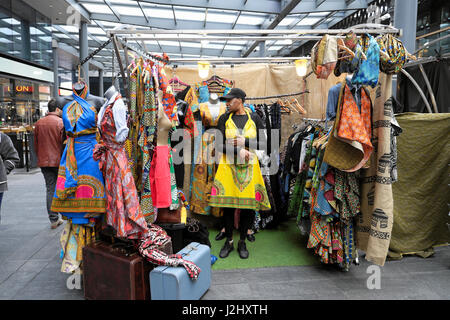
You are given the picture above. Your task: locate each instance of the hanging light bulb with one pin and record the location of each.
(301, 67)
(203, 69)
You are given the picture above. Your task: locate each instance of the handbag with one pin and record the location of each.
(339, 154)
(195, 231)
(169, 216)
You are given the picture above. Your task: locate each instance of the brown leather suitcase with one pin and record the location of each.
(114, 272)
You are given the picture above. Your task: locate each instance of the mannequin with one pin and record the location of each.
(162, 188)
(95, 101)
(164, 124)
(214, 106)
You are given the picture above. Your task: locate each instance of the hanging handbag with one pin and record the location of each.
(339, 154)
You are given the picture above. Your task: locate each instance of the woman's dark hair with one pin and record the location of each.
(51, 105)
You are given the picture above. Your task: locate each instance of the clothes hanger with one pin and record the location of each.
(298, 106)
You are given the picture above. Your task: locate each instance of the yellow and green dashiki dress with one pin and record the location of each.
(239, 185)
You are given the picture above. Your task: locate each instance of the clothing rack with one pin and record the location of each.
(278, 96)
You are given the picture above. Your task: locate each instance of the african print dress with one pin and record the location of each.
(239, 185)
(123, 211)
(205, 166)
(80, 188)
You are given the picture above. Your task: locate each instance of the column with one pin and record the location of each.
(55, 69)
(405, 18)
(84, 50)
(26, 39)
(262, 49)
(100, 82)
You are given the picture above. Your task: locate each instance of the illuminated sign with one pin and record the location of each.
(22, 89)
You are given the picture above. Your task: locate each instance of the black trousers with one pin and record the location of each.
(50, 176)
(245, 221)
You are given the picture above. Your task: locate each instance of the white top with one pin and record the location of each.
(120, 117)
(214, 109)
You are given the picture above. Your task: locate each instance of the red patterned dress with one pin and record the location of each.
(123, 211)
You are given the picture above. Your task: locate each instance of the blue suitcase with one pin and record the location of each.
(173, 283)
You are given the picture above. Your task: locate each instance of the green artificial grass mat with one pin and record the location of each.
(279, 247)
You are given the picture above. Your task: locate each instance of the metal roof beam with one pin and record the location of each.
(260, 6)
(114, 11)
(283, 13)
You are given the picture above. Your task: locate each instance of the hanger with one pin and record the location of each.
(283, 107)
(298, 106)
(288, 104)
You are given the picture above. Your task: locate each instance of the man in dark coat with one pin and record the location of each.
(9, 159)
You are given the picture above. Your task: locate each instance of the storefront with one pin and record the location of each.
(22, 103)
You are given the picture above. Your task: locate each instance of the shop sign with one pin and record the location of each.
(22, 89)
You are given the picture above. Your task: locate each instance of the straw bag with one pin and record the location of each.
(339, 154)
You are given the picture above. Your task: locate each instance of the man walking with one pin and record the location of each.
(48, 142)
(9, 158)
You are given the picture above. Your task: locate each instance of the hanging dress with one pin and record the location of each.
(239, 185)
(80, 189)
(123, 211)
(205, 166)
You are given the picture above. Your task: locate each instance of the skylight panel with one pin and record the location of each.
(308, 21)
(220, 16)
(158, 13)
(128, 11)
(71, 29)
(190, 15)
(97, 8)
(251, 19)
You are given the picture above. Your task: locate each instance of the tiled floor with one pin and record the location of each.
(30, 264)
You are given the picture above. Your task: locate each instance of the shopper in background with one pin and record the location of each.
(9, 158)
(48, 142)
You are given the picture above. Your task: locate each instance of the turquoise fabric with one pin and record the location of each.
(369, 70)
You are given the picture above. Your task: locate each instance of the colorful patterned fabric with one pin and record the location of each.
(239, 185)
(168, 99)
(123, 211)
(396, 54)
(355, 126)
(73, 239)
(80, 188)
(133, 156)
(205, 166)
(347, 192)
(149, 249)
(369, 70)
(147, 143)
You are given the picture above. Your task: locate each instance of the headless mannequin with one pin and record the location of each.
(95, 101)
(110, 92)
(164, 124)
(163, 129)
(214, 105)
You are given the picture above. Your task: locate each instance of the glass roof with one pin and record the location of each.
(105, 15)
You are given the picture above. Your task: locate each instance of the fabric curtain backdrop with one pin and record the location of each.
(264, 79)
(421, 194)
(438, 74)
